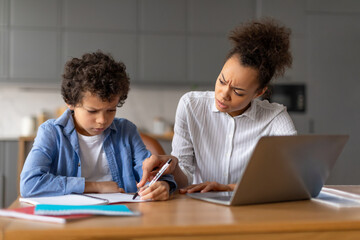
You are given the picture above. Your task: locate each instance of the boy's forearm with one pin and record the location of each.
(90, 187)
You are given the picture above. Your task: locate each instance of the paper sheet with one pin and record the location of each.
(337, 198)
(83, 199)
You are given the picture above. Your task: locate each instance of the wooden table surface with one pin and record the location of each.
(185, 218)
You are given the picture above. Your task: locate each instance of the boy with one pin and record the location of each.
(87, 149)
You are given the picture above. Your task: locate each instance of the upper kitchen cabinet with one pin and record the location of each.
(33, 56)
(109, 26)
(100, 15)
(162, 42)
(31, 43)
(34, 13)
(122, 46)
(209, 24)
(3, 38)
(218, 17)
(3, 62)
(295, 18)
(163, 16)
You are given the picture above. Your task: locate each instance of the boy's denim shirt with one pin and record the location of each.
(53, 166)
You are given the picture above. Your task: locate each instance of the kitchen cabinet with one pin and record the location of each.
(8, 171)
(167, 48)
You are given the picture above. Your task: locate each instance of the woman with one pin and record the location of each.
(216, 132)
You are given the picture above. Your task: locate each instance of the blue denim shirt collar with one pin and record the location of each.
(66, 120)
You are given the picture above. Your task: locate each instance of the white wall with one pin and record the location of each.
(141, 107)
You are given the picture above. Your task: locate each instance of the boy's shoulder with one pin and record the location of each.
(48, 124)
(123, 124)
(122, 121)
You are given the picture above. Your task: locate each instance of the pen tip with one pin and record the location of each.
(135, 195)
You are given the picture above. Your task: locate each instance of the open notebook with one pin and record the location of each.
(283, 168)
(83, 199)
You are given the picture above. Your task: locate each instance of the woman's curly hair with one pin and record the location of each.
(264, 45)
(97, 73)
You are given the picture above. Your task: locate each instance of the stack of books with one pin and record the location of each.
(61, 209)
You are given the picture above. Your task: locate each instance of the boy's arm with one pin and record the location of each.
(37, 178)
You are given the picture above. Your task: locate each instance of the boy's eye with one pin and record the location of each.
(89, 111)
(112, 110)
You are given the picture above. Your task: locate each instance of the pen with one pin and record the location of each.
(98, 198)
(157, 176)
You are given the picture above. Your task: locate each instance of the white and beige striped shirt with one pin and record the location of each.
(213, 146)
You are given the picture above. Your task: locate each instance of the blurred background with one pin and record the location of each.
(171, 47)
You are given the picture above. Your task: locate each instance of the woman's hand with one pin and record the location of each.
(153, 164)
(207, 187)
(102, 187)
(157, 191)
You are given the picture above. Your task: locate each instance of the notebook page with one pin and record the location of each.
(117, 197)
(70, 199)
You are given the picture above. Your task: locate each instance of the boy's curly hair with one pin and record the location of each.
(97, 73)
(264, 45)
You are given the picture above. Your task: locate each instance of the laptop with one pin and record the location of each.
(283, 168)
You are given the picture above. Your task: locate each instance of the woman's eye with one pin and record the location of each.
(222, 82)
(238, 94)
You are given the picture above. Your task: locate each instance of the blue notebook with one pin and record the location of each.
(112, 210)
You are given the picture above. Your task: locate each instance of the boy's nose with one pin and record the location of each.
(101, 119)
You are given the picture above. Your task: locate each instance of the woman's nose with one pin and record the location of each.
(225, 93)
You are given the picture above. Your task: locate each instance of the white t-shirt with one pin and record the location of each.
(214, 146)
(94, 164)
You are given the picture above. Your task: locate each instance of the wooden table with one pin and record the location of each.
(185, 218)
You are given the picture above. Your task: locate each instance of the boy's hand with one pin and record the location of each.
(102, 187)
(157, 191)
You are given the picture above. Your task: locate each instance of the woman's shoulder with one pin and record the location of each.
(266, 105)
(197, 96)
(264, 109)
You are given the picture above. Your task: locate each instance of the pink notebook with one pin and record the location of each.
(28, 213)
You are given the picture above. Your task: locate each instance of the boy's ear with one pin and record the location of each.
(71, 107)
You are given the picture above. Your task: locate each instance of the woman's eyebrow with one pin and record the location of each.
(223, 77)
(237, 88)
